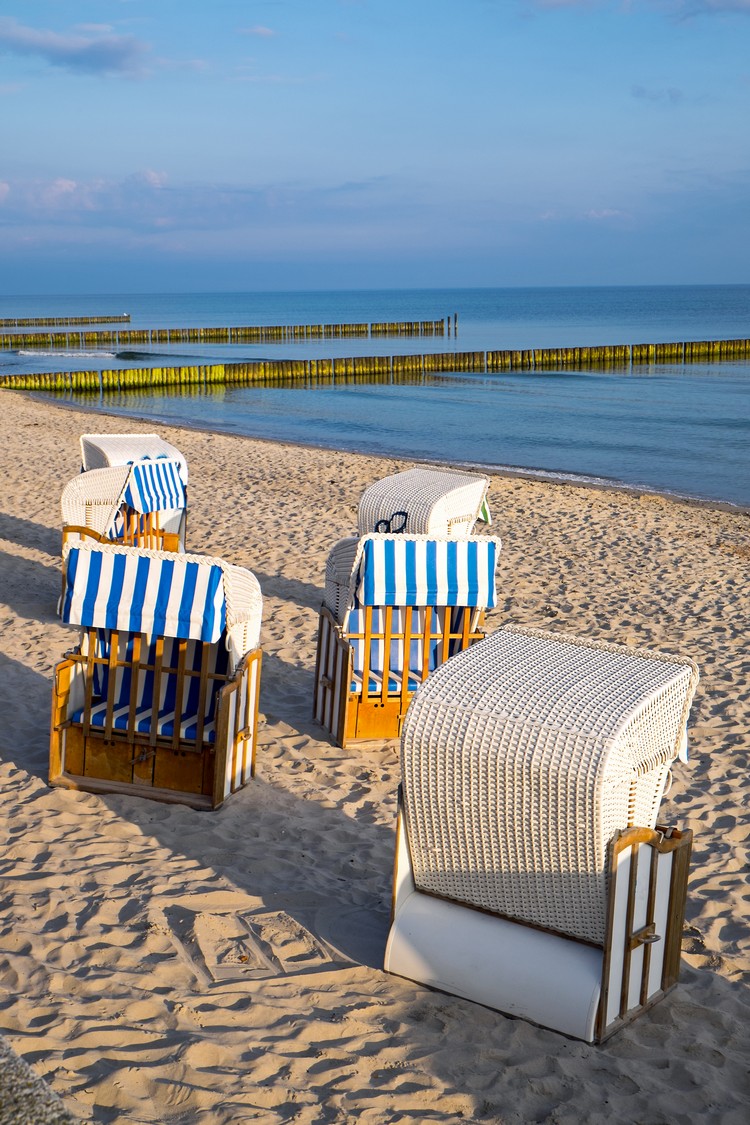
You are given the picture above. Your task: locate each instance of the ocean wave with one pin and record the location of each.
(68, 354)
(174, 356)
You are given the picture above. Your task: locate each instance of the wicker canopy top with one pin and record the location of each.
(98, 451)
(521, 758)
(424, 502)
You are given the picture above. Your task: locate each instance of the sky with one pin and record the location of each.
(224, 145)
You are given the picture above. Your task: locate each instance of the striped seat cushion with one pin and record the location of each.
(169, 707)
(394, 665)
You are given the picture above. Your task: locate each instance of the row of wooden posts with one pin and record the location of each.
(249, 334)
(621, 357)
(60, 321)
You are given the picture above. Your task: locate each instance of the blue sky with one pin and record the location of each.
(288, 144)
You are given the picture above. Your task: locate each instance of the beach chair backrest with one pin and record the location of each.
(155, 486)
(136, 591)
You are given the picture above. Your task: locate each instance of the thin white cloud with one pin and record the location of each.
(598, 215)
(259, 31)
(84, 52)
(146, 201)
(709, 7)
(680, 8)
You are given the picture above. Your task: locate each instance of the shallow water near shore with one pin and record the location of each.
(678, 429)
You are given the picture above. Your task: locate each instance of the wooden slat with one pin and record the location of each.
(113, 664)
(158, 658)
(179, 691)
(408, 613)
(135, 678)
(202, 694)
(388, 638)
(650, 916)
(367, 645)
(90, 665)
(625, 986)
(427, 637)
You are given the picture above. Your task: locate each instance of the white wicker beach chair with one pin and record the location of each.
(100, 451)
(396, 607)
(160, 697)
(531, 875)
(140, 505)
(439, 502)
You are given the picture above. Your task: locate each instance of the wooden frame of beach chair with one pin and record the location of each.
(445, 503)
(160, 697)
(410, 600)
(531, 875)
(143, 504)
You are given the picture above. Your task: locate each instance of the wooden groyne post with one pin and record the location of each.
(60, 321)
(247, 334)
(621, 357)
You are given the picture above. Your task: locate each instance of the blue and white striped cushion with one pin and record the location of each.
(395, 662)
(126, 589)
(169, 707)
(155, 486)
(396, 570)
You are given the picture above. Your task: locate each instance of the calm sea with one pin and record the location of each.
(684, 430)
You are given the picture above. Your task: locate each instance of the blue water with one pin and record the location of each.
(684, 430)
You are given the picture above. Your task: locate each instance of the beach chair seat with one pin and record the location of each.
(410, 603)
(160, 697)
(531, 874)
(143, 504)
(101, 451)
(444, 503)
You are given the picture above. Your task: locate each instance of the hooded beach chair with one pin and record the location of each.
(396, 607)
(440, 502)
(143, 504)
(100, 451)
(531, 875)
(160, 697)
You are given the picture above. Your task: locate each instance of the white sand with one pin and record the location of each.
(117, 913)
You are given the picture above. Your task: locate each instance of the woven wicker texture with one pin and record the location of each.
(107, 501)
(339, 571)
(523, 755)
(98, 451)
(91, 499)
(435, 502)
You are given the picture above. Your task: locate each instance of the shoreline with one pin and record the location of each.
(549, 476)
(118, 980)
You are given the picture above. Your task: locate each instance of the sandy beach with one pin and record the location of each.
(115, 910)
